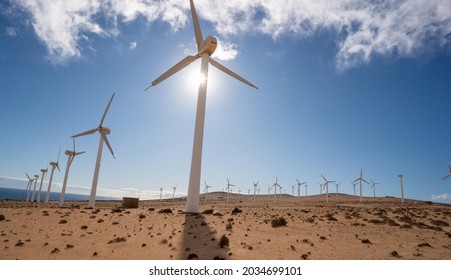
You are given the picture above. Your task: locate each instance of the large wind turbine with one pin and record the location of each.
(360, 179)
(353, 186)
(402, 188)
(70, 157)
(255, 190)
(326, 186)
(205, 48)
(206, 191)
(373, 186)
(40, 186)
(449, 172)
(337, 186)
(299, 187)
(34, 189)
(275, 185)
(54, 165)
(104, 131)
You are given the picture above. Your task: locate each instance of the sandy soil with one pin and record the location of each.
(378, 228)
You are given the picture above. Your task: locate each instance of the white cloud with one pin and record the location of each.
(445, 196)
(361, 29)
(11, 31)
(226, 51)
(133, 46)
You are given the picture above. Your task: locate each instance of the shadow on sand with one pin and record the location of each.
(199, 240)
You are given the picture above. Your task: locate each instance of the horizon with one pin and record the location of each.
(342, 87)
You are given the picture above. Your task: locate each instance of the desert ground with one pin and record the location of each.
(281, 228)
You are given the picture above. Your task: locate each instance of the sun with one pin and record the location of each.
(196, 78)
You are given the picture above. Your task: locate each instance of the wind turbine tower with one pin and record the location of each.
(54, 165)
(337, 186)
(229, 189)
(255, 190)
(40, 186)
(161, 193)
(173, 193)
(206, 191)
(70, 158)
(326, 186)
(353, 186)
(34, 189)
(449, 172)
(360, 179)
(373, 186)
(30, 182)
(104, 131)
(206, 48)
(402, 188)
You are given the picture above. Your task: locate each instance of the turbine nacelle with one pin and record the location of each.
(54, 164)
(43, 170)
(104, 130)
(208, 46)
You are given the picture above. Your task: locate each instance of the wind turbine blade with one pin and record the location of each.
(324, 177)
(444, 178)
(356, 180)
(27, 176)
(298, 181)
(106, 110)
(365, 181)
(58, 166)
(233, 74)
(179, 66)
(85, 133)
(58, 155)
(105, 139)
(197, 31)
(79, 153)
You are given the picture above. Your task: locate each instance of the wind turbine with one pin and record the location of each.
(206, 48)
(206, 191)
(173, 193)
(275, 185)
(306, 189)
(360, 179)
(402, 188)
(449, 172)
(299, 187)
(292, 189)
(337, 186)
(40, 186)
(228, 189)
(373, 186)
(255, 189)
(353, 186)
(104, 131)
(320, 188)
(34, 189)
(30, 182)
(70, 158)
(54, 165)
(161, 193)
(326, 186)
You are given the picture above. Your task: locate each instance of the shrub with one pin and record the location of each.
(2, 217)
(224, 241)
(278, 222)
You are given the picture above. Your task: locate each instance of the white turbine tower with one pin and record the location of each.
(326, 186)
(255, 190)
(229, 189)
(40, 186)
(306, 189)
(54, 165)
(449, 172)
(70, 158)
(373, 186)
(205, 48)
(206, 191)
(30, 182)
(173, 192)
(34, 189)
(299, 187)
(104, 131)
(337, 186)
(402, 188)
(275, 185)
(353, 186)
(360, 179)
(161, 193)
(320, 188)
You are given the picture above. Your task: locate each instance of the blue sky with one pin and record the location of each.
(342, 86)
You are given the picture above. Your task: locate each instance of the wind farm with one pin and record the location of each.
(312, 114)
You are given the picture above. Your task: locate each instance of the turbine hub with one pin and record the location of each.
(208, 45)
(69, 153)
(105, 130)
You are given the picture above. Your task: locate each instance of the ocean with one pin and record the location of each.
(18, 194)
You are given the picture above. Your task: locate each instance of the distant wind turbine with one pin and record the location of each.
(161, 193)
(449, 172)
(337, 186)
(275, 185)
(326, 186)
(173, 193)
(34, 189)
(292, 189)
(306, 189)
(255, 190)
(206, 48)
(206, 191)
(104, 131)
(299, 187)
(353, 186)
(70, 158)
(30, 183)
(40, 186)
(373, 186)
(320, 188)
(54, 165)
(360, 179)
(229, 189)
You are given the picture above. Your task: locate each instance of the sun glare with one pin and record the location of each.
(197, 78)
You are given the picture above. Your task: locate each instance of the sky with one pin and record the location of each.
(343, 86)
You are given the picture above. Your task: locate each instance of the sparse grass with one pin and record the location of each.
(117, 240)
(63, 221)
(224, 241)
(278, 222)
(165, 211)
(84, 227)
(142, 216)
